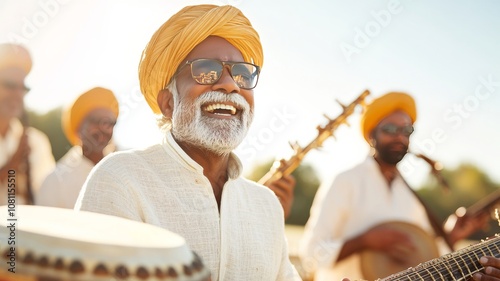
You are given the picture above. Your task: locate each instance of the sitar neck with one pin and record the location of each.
(459, 265)
(287, 166)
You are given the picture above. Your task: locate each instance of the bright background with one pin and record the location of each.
(444, 53)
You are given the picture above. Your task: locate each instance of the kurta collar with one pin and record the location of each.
(235, 167)
(370, 162)
(373, 166)
(76, 154)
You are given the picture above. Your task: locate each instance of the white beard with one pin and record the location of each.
(220, 136)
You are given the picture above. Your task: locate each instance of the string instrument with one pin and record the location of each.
(377, 264)
(286, 167)
(436, 168)
(29, 190)
(487, 204)
(459, 265)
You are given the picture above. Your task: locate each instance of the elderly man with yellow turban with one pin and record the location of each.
(347, 215)
(25, 153)
(88, 125)
(198, 73)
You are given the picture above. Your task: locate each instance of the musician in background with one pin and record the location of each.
(24, 151)
(345, 214)
(88, 125)
(197, 74)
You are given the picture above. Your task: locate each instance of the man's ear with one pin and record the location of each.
(165, 101)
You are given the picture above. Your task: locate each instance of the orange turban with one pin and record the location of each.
(74, 114)
(177, 37)
(380, 107)
(12, 55)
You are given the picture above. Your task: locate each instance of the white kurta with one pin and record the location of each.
(357, 200)
(62, 186)
(41, 159)
(163, 186)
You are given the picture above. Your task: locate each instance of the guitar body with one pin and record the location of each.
(375, 264)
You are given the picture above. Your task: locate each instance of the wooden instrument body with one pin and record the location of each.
(375, 264)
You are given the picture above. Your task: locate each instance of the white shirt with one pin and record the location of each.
(41, 159)
(62, 186)
(163, 186)
(357, 200)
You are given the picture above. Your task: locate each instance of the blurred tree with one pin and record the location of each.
(50, 124)
(307, 183)
(468, 186)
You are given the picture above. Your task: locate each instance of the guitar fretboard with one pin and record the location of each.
(459, 265)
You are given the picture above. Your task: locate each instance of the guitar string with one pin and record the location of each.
(454, 272)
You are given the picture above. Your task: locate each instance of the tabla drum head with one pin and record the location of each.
(53, 244)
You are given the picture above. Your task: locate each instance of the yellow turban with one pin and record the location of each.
(380, 107)
(177, 37)
(12, 55)
(75, 113)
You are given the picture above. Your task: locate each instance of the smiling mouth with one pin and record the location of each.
(220, 109)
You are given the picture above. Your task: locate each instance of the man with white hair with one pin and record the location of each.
(198, 72)
(25, 153)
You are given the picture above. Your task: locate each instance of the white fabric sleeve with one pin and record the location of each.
(322, 240)
(41, 159)
(287, 270)
(48, 194)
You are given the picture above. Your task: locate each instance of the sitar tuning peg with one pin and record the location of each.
(295, 146)
(322, 129)
(341, 104)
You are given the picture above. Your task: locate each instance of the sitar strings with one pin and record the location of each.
(449, 267)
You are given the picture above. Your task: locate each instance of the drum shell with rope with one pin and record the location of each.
(45, 243)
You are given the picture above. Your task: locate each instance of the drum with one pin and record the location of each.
(376, 265)
(53, 244)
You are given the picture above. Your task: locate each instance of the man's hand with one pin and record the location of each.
(396, 244)
(283, 188)
(460, 225)
(491, 270)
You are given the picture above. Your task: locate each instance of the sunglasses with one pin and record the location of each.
(101, 121)
(13, 86)
(393, 130)
(209, 71)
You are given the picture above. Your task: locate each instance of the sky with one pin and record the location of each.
(443, 53)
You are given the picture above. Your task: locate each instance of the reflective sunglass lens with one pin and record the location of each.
(206, 71)
(393, 130)
(209, 71)
(245, 75)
